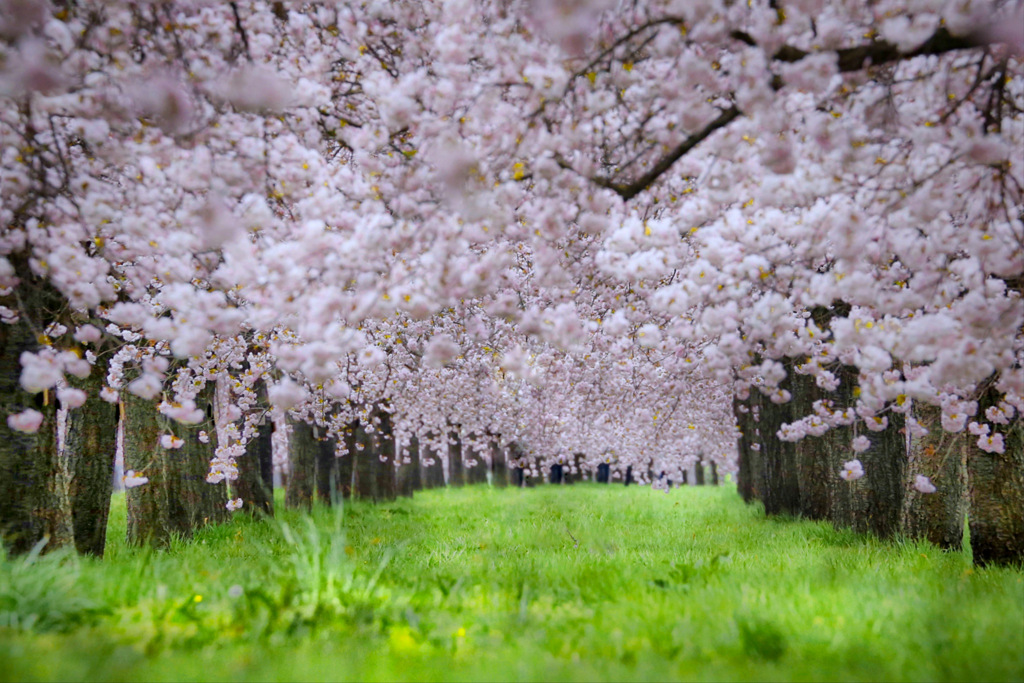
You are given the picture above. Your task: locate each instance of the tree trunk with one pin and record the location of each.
(408, 476)
(433, 469)
(477, 473)
(781, 494)
(756, 484)
(90, 446)
(302, 456)
(355, 443)
(255, 482)
(456, 469)
(141, 449)
(362, 466)
(938, 455)
(33, 495)
(880, 493)
(177, 500)
(189, 500)
(812, 454)
(499, 466)
(629, 475)
(698, 474)
(996, 488)
(836, 443)
(384, 457)
(574, 471)
(557, 475)
(714, 473)
(327, 471)
(604, 473)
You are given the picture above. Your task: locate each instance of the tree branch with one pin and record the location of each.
(874, 53)
(631, 190)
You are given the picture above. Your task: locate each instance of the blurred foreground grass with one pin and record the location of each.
(555, 583)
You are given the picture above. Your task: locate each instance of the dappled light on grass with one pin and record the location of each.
(564, 583)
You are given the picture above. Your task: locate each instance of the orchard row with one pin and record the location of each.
(783, 239)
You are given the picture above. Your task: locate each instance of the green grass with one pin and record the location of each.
(555, 583)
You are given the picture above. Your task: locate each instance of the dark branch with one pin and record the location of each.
(631, 190)
(877, 52)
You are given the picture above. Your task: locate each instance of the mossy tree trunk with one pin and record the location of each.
(995, 484)
(141, 448)
(33, 494)
(177, 500)
(90, 445)
(192, 502)
(456, 468)
(499, 466)
(754, 471)
(355, 443)
(409, 477)
(327, 471)
(255, 482)
(476, 468)
(384, 469)
(302, 456)
(812, 461)
(433, 469)
(781, 494)
(836, 443)
(937, 517)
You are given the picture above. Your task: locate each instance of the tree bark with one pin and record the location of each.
(714, 473)
(177, 500)
(433, 469)
(90, 445)
(996, 488)
(781, 494)
(477, 473)
(255, 482)
(938, 455)
(755, 451)
(189, 500)
(33, 494)
(499, 466)
(384, 457)
(456, 470)
(302, 456)
(327, 471)
(604, 473)
(556, 475)
(698, 474)
(141, 449)
(408, 476)
(812, 454)
(837, 445)
(355, 443)
(880, 493)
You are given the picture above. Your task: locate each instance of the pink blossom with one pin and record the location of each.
(27, 421)
(170, 441)
(852, 470)
(71, 398)
(132, 480)
(924, 484)
(991, 444)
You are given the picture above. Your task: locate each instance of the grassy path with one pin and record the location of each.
(573, 583)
